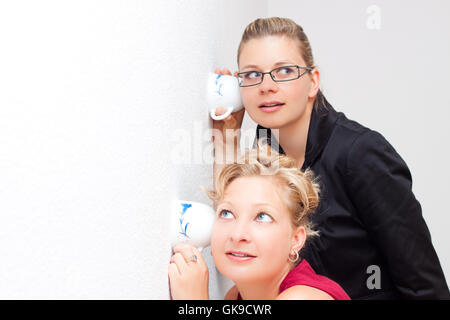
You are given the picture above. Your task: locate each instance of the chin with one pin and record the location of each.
(235, 272)
(244, 274)
(273, 123)
(275, 120)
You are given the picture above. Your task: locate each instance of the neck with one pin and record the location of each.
(293, 136)
(262, 289)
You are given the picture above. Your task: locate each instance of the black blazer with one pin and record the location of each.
(373, 239)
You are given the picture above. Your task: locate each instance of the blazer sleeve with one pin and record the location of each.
(380, 185)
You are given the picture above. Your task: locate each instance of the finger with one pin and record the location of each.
(173, 270)
(229, 121)
(235, 74)
(222, 71)
(185, 249)
(227, 71)
(220, 111)
(180, 262)
(200, 259)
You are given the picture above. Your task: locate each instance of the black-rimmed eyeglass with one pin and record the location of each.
(280, 74)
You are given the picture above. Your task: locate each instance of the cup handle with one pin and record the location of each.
(221, 117)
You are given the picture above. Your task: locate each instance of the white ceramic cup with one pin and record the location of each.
(223, 91)
(191, 222)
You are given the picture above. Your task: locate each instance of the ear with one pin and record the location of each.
(315, 83)
(298, 238)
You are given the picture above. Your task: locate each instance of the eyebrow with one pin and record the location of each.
(276, 64)
(259, 204)
(262, 204)
(227, 203)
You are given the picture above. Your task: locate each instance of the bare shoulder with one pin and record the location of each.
(301, 292)
(232, 294)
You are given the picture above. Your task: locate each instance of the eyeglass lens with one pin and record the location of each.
(279, 74)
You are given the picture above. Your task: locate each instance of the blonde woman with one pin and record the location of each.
(374, 241)
(263, 204)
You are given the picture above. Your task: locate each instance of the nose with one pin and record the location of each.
(268, 85)
(240, 232)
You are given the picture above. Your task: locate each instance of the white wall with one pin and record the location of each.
(394, 80)
(84, 176)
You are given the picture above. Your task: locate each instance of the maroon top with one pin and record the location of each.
(304, 275)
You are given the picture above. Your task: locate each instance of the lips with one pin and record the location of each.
(271, 104)
(239, 256)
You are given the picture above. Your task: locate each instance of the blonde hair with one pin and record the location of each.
(299, 190)
(276, 26)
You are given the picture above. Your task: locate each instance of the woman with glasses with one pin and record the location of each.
(373, 240)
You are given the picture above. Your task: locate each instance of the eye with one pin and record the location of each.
(225, 214)
(252, 75)
(285, 70)
(263, 217)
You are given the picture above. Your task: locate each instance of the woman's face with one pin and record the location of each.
(265, 54)
(253, 233)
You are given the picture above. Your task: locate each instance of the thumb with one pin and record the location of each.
(220, 110)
